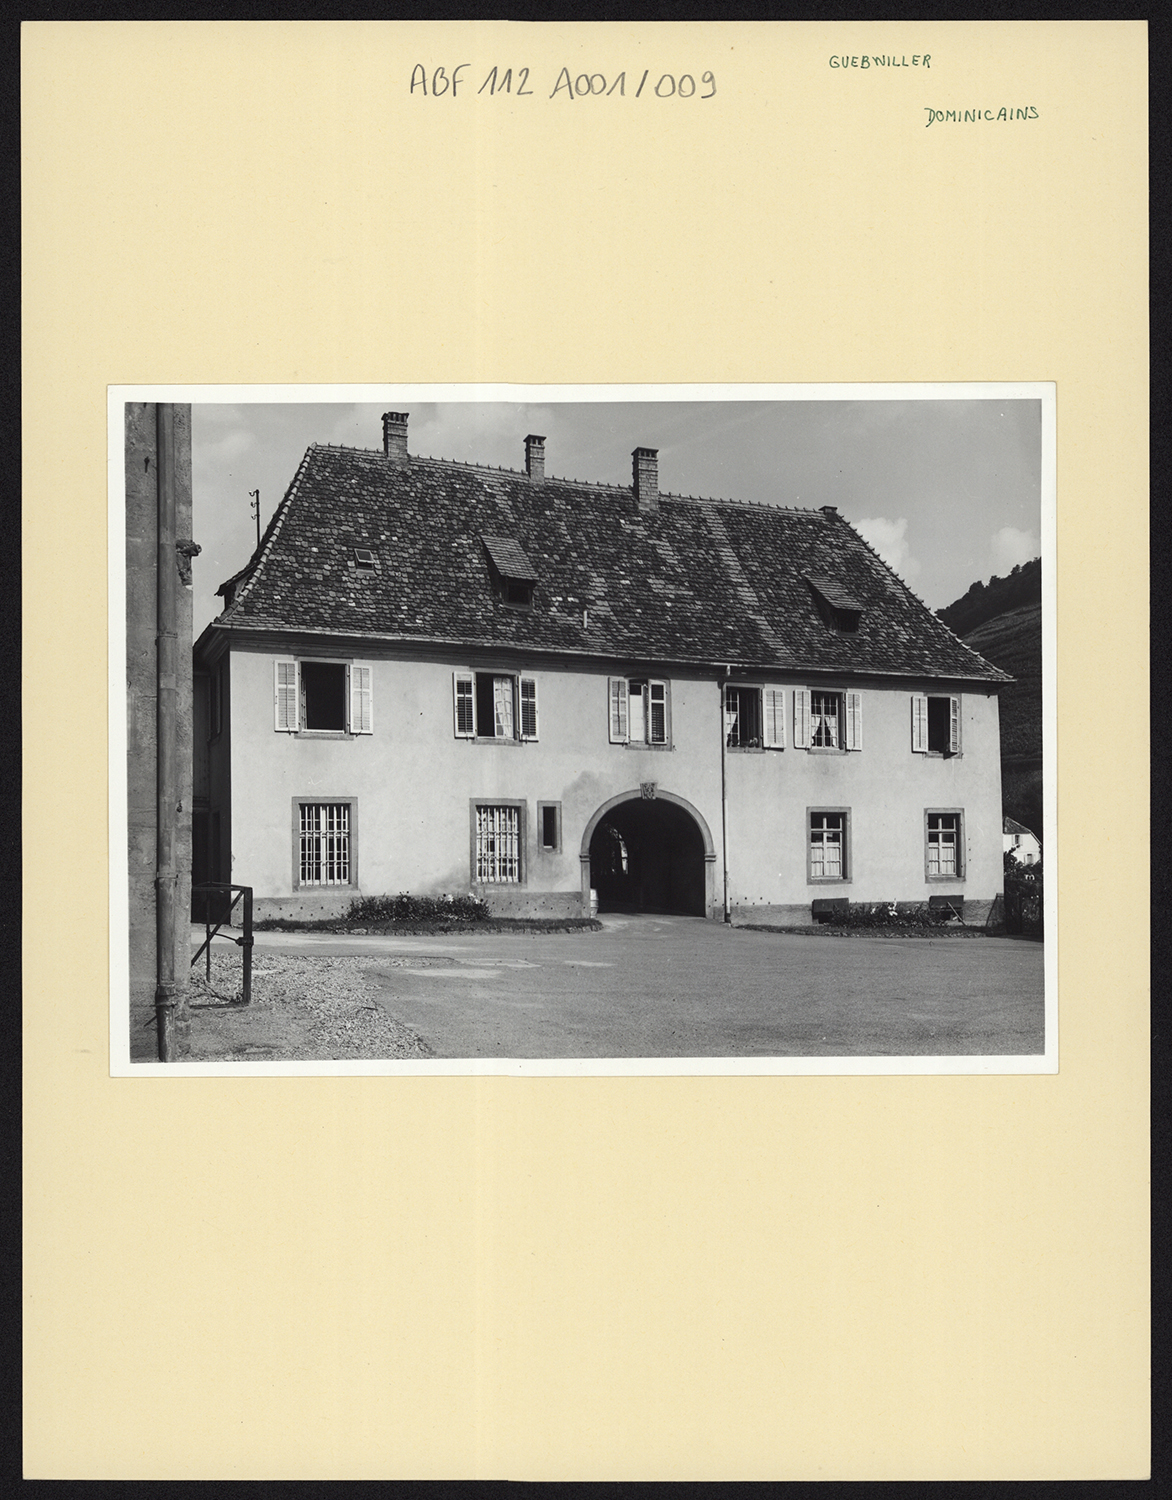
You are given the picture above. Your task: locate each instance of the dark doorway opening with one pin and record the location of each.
(648, 855)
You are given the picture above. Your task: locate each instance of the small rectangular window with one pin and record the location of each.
(549, 823)
(828, 843)
(364, 560)
(945, 845)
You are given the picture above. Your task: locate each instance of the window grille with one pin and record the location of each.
(325, 843)
(498, 845)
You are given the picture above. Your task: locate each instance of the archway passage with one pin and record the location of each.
(648, 855)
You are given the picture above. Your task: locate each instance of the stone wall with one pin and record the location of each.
(141, 673)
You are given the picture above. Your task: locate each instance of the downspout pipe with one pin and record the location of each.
(166, 722)
(724, 791)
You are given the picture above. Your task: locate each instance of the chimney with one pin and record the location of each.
(535, 458)
(395, 435)
(645, 462)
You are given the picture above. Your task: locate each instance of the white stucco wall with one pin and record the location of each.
(413, 780)
(887, 788)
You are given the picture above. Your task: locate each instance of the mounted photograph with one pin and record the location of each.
(581, 729)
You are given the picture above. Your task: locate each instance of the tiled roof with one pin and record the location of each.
(704, 581)
(1011, 825)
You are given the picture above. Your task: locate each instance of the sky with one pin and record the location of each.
(946, 491)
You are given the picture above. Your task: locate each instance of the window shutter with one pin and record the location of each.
(463, 705)
(657, 712)
(919, 723)
(285, 696)
(854, 721)
(954, 725)
(775, 718)
(801, 718)
(361, 706)
(528, 708)
(618, 710)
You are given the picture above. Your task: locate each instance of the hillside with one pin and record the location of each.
(984, 601)
(1013, 641)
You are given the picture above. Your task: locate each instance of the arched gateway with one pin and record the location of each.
(645, 853)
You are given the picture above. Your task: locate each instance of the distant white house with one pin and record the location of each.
(1020, 842)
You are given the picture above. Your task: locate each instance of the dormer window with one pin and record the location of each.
(513, 578)
(364, 560)
(838, 608)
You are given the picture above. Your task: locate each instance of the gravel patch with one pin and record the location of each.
(302, 1009)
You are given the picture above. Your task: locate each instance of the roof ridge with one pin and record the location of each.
(594, 484)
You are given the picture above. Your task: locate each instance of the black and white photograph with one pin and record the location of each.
(582, 729)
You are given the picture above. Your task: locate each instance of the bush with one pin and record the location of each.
(404, 908)
(893, 914)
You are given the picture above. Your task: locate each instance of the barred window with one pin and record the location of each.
(325, 843)
(498, 844)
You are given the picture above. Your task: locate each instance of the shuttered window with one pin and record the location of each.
(462, 701)
(618, 710)
(657, 713)
(801, 718)
(528, 708)
(639, 711)
(827, 720)
(774, 718)
(494, 705)
(936, 721)
(286, 697)
(361, 705)
(854, 721)
(322, 697)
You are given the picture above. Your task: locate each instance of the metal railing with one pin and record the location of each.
(212, 926)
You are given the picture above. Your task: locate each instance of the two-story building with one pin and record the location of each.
(438, 677)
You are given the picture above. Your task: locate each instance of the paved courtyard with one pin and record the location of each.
(650, 986)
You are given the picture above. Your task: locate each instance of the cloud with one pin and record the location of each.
(1010, 547)
(889, 539)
